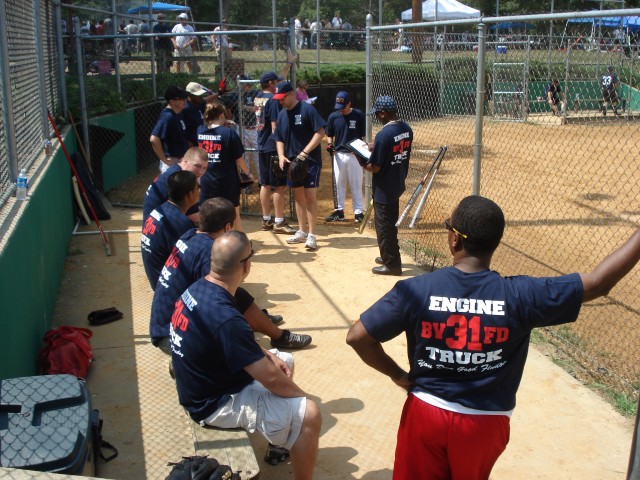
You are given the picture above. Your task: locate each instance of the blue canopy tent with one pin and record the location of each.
(159, 7)
(510, 25)
(630, 22)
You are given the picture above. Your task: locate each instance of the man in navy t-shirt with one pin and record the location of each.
(189, 261)
(266, 111)
(166, 224)
(223, 377)
(299, 132)
(168, 138)
(343, 126)
(468, 331)
(389, 163)
(195, 160)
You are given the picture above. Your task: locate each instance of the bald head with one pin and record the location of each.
(229, 253)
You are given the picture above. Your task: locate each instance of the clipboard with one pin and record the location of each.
(360, 149)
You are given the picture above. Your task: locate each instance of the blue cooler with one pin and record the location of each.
(45, 424)
(501, 49)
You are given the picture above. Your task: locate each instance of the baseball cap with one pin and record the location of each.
(194, 88)
(384, 103)
(342, 99)
(174, 92)
(268, 76)
(183, 16)
(282, 89)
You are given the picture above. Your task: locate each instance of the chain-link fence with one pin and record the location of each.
(560, 159)
(29, 85)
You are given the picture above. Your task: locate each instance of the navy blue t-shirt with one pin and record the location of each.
(171, 129)
(160, 232)
(345, 128)
(296, 128)
(189, 261)
(468, 333)
(211, 344)
(267, 111)
(391, 151)
(192, 117)
(223, 146)
(158, 193)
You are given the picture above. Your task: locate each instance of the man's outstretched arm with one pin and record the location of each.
(372, 353)
(612, 269)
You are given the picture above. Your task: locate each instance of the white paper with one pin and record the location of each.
(360, 147)
(311, 100)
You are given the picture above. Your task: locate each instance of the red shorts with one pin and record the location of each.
(435, 444)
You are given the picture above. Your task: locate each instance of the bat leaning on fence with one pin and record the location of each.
(366, 217)
(416, 192)
(423, 200)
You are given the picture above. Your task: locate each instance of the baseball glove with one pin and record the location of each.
(298, 169)
(201, 468)
(275, 166)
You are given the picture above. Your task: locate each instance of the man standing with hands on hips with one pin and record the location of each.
(389, 163)
(299, 132)
(344, 125)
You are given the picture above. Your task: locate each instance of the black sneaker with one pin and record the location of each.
(275, 319)
(291, 340)
(336, 216)
(359, 217)
(267, 224)
(276, 455)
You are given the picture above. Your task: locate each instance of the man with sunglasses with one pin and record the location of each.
(224, 378)
(468, 331)
(389, 163)
(169, 136)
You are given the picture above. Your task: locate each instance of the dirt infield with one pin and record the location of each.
(569, 193)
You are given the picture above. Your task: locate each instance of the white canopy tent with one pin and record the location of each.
(446, 10)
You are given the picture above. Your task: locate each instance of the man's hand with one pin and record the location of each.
(403, 381)
(283, 162)
(331, 149)
(282, 365)
(291, 58)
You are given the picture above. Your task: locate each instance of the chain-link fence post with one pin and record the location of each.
(40, 60)
(368, 102)
(480, 98)
(7, 102)
(633, 471)
(82, 91)
(61, 61)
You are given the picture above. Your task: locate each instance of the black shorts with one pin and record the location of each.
(609, 96)
(266, 170)
(243, 299)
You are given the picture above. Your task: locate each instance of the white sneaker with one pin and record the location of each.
(299, 237)
(311, 242)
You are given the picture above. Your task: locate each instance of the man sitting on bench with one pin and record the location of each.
(224, 378)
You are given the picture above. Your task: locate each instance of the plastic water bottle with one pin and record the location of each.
(48, 147)
(22, 185)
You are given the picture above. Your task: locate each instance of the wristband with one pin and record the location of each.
(305, 153)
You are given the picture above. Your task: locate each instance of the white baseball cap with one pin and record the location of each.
(183, 16)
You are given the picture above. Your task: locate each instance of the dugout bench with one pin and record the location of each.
(229, 446)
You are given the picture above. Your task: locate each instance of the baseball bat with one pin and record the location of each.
(423, 200)
(416, 192)
(334, 185)
(367, 215)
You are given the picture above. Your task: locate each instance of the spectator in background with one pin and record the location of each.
(143, 27)
(347, 25)
(163, 46)
(306, 33)
(184, 45)
(132, 29)
(297, 27)
(315, 31)
(301, 91)
(555, 96)
(336, 22)
(221, 42)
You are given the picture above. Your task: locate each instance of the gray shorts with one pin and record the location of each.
(253, 408)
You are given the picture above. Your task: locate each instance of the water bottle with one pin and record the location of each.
(22, 185)
(48, 147)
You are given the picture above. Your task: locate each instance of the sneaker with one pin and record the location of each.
(276, 455)
(283, 227)
(311, 242)
(299, 237)
(275, 319)
(267, 224)
(291, 340)
(359, 217)
(336, 216)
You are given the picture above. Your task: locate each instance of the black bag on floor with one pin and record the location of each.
(199, 467)
(99, 444)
